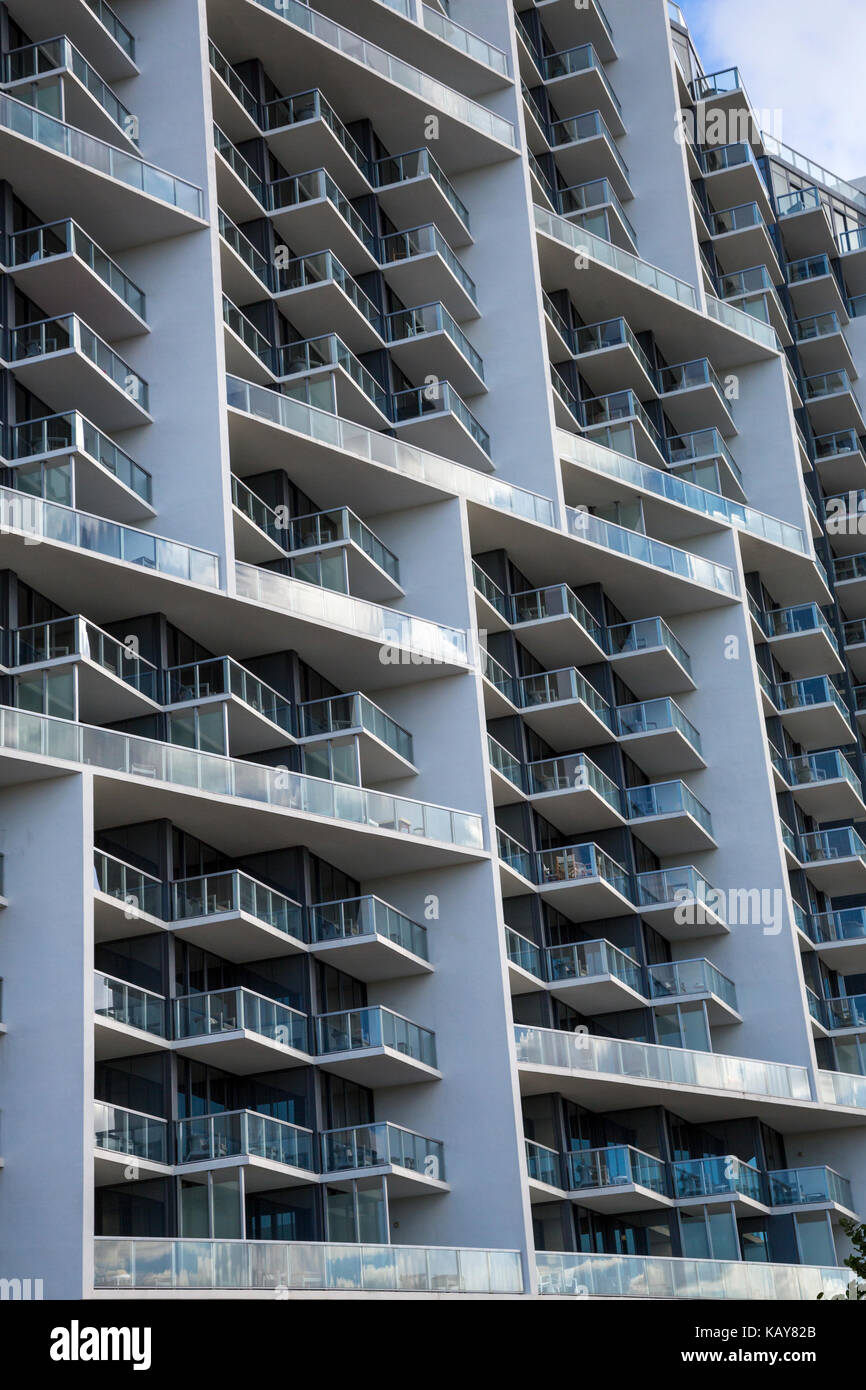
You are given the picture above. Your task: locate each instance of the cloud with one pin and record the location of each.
(794, 57)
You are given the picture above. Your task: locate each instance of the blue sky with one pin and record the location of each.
(779, 45)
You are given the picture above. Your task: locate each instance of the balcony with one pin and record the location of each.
(582, 882)
(814, 713)
(420, 266)
(732, 177)
(842, 1014)
(127, 1139)
(67, 173)
(515, 865)
(86, 468)
(610, 357)
(640, 1276)
(825, 785)
(585, 149)
(258, 533)
(436, 418)
(62, 359)
(725, 1182)
(257, 717)
(814, 289)
(384, 747)
(95, 28)
(237, 916)
(268, 1266)
(564, 708)
(304, 131)
(804, 222)
(618, 1178)
(552, 623)
(649, 657)
(840, 938)
(526, 965)
(741, 240)
(375, 1047)
(842, 1088)
(53, 74)
(599, 413)
(412, 188)
(425, 341)
(852, 245)
(352, 556)
(694, 398)
(126, 901)
(802, 640)
(128, 1020)
(840, 461)
(594, 207)
(831, 402)
(317, 290)
(754, 291)
(573, 794)
(576, 79)
(702, 458)
(273, 1153)
(61, 267)
(412, 1164)
(111, 681)
(680, 904)
(668, 818)
(682, 980)
(594, 977)
(845, 521)
(810, 1187)
(610, 1074)
(834, 860)
(309, 211)
(240, 192)
(822, 345)
(590, 24)
(241, 1031)
(658, 737)
(369, 939)
(544, 1170)
(507, 774)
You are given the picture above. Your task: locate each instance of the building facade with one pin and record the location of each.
(433, 605)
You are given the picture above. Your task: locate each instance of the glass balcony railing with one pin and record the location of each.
(109, 20)
(755, 280)
(505, 763)
(816, 846)
(554, 601)
(826, 384)
(417, 164)
(402, 74)
(203, 680)
(582, 1052)
(543, 1164)
(232, 1133)
(418, 401)
(276, 1265)
(358, 1030)
(458, 37)
(34, 244)
(581, 200)
(716, 84)
(311, 106)
(712, 1177)
(715, 158)
(240, 1011)
(377, 1146)
(623, 261)
(258, 512)
(303, 272)
(137, 890)
(121, 1002)
(735, 219)
(808, 769)
(235, 319)
(314, 186)
(800, 1187)
(239, 89)
(574, 863)
(836, 443)
(329, 528)
(667, 799)
(619, 405)
(590, 125)
(572, 772)
(313, 354)
(673, 978)
(552, 687)
(681, 885)
(513, 853)
(523, 952)
(209, 895)
(651, 716)
(619, 1165)
(352, 918)
(403, 458)
(431, 318)
(646, 634)
(94, 154)
(845, 924)
(130, 1133)
(72, 431)
(808, 268)
(33, 60)
(68, 637)
(843, 1011)
(805, 617)
(595, 337)
(809, 330)
(341, 712)
(642, 1276)
(240, 166)
(574, 60)
(645, 549)
(426, 240)
(842, 1088)
(813, 690)
(68, 333)
(685, 376)
(582, 959)
(694, 446)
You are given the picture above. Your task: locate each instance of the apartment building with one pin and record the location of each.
(433, 606)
